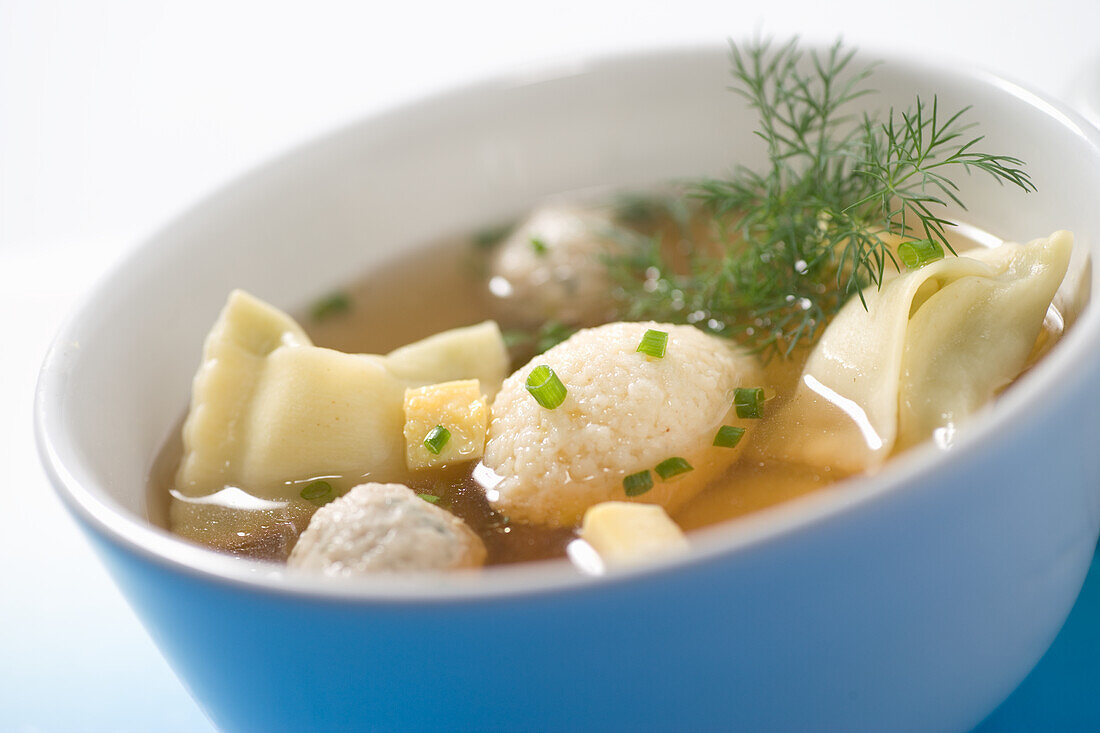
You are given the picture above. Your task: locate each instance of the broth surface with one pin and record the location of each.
(400, 302)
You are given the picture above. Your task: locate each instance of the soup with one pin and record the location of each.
(597, 378)
(379, 313)
(389, 307)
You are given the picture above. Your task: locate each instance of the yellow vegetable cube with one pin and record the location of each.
(625, 533)
(444, 423)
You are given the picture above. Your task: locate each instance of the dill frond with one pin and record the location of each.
(814, 228)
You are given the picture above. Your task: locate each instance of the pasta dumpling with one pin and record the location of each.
(268, 408)
(931, 346)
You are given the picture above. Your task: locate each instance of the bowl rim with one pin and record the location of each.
(93, 507)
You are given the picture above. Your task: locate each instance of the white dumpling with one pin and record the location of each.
(320, 412)
(385, 528)
(551, 267)
(475, 352)
(234, 358)
(931, 346)
(1076, 288)
(624, 413)
(268, 408)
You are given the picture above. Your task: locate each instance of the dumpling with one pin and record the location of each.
(932, 346)
(381, 528)
(475, 352)
(1076, 288)
(971, 338)
(624, 413)
(550, 267)
(320, 412)
(268, 408)
(234, 359)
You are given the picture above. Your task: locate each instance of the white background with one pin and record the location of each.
(114, 116)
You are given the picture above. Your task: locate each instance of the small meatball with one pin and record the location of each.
(383, 528)
(624, 413)
(550, 268)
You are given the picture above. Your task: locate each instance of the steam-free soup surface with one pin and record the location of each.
(401, 302)
(832, 254)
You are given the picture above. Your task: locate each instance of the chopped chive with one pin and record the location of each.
(549, 335)
(436, 438)
(545, 387)
(637, 210)
(674, 466)
(319, 492)
(330, 305)
(749, 401)
(514, 337)
(653, 343)
(637, 484)
(917, 253)
(728, 436)
(430, 498)
(491, 237)
(552, 333)
(539, 246)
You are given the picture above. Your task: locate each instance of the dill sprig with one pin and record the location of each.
(799, 238)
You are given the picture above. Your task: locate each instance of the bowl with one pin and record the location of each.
(916, 599)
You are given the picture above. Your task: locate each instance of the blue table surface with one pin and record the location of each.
(1062, 693)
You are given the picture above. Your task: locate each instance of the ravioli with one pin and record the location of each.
(931, 347)
(269, 408)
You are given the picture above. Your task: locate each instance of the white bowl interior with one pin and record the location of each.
(119, 377)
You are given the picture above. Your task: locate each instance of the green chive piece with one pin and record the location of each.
(749, 401)
(671, 467)
(491, 237)
(545, 387)
(917, 253)
(552, 333)
(436, 438)
(319, 492)
(514, 337)
(329, 306)
(728, 436)
(430, 498)
(539, 246)
(638, 210)
(637, 484)
(653, 343)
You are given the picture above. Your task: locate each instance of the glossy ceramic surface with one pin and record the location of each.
(916, 600)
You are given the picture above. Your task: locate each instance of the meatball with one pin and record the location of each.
(550, 268)
(623, 413)
(379, 528)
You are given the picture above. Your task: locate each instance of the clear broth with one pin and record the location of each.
(398, 303)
